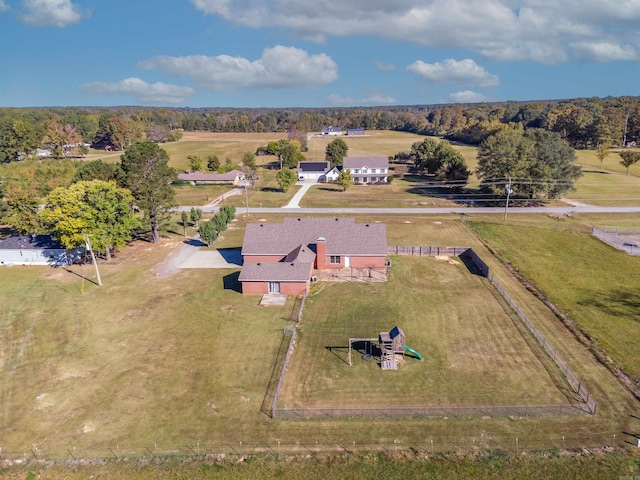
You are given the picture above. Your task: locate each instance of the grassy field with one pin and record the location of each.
(159, 362)
(375, 142)
(592, 282)
(608, 186)
(474, 352)
(393, 465)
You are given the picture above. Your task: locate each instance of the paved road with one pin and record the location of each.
(433, 211)
(293, 207)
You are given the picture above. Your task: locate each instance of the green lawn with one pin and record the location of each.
(474, 353)
(592, 282)
(159, 363)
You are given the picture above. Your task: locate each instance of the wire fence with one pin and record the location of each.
(470, 442)
(586, 403)
(520, 411)
(623, 238)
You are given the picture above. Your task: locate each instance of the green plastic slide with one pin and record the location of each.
(412, 351)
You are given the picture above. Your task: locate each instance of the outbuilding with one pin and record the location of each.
(37, 250)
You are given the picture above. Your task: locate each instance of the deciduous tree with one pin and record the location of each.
(184, 218)
(195, 163)
(22, 213)
(146, 172)
(539, 163)
(628, 159)
(96, 170)
(213, 163)
(17, 137)
(286, 179)
(96, 208)
(336, 151)
(602, 152)
(344, 179)
(208, 232)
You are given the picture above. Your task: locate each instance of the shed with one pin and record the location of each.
(37, 250)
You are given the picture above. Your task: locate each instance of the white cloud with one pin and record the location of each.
(279, 67)
(3, 6)
(370, 98)
(604, 51)
(142, 91)
(50, 13)
(464, 72)
(544, 31)
(467, 96)
(385, 67)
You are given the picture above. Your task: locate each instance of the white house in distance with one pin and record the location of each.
(330, 130)
(319, 171)
(367, 169)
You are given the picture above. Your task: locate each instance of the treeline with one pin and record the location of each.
(582, 122)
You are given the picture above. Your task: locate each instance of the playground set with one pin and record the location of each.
(390, 344)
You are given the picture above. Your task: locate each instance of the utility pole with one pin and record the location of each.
(93, 257)
(509, 192)
(246, 195)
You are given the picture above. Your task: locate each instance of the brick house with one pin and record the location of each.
(281, 258)
(367, 169)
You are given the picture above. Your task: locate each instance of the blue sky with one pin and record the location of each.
(289, 53)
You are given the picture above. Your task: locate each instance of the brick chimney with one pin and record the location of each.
(321, 253)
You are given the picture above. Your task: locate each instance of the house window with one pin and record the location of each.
(373, 170)
(356, 170)
(334, 259)
(364, 170)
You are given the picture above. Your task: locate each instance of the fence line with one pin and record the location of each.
(625, 239)
(572, 379)
(470, 442)
(294, 334)
(430, 411)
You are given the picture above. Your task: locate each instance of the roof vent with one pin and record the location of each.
(321, 239)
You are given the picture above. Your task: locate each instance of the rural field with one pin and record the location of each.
(159, 363)
(184, 364)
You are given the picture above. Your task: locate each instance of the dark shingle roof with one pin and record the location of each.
(313, 166)
(343, 237)
(275, 272)
(26, 242)
(369, 162)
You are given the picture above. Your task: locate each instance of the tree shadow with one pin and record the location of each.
(600, 172)
(195, 242)
(624, 303)
(231, 282)
(270, 189)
